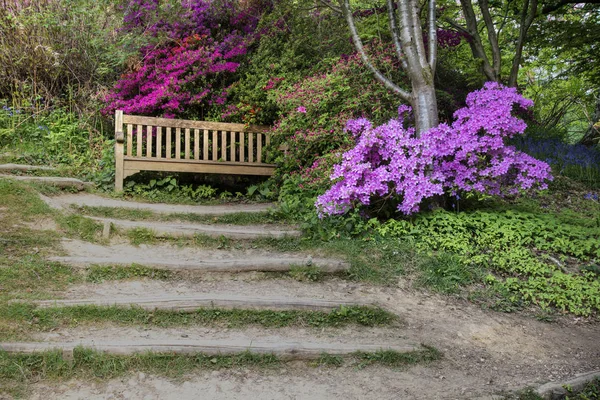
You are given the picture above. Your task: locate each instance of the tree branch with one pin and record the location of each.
(553, 7)
(328, 4)
(527, 16)
(475, 43)
(345, 6)
(395, 34)
(492, 36)
(432, 37)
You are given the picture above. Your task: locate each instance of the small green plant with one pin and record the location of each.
(306, 273)
(168, 189)
(328, 360)
(139, 236)
(97, 274)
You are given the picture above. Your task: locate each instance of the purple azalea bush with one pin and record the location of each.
(469, 155)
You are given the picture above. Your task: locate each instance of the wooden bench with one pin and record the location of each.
(172, 145)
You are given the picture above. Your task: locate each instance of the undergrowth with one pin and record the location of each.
(47, 319)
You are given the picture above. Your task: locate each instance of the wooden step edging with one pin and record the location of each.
(70, 200)
(193, 303)
(51, 180)
(283, 350)
(270, 264)
(173, 229)
(25, 167)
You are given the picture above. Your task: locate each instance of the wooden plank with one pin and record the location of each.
(205, 145)
(169, 139)
(242, 149)
(149, 141)
(267, 263)
(129, 139)
(294, 350)
(223, 146)
(199, 167)
(250, 147)
(259, 147)
(25, 167)
(196, 144)
(187, 144)
(232, 147)
(158, 142)
(193, 303)
(139, 141)
(119, 156)
(178, 143)
(215, 140)
(51, 180)
(178, 229)
(180, 123)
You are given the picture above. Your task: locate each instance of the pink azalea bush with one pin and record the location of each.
(469, 155)
(192, 56)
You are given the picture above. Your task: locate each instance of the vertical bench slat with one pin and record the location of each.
(158, 142)
(215, 139)
(223, 146)
(177, 143)
(250, 147)
(268, 139)
(196, 144)
(129, 140)
(119, 150)
(187, 144)
(205, 147)
(138, 153)
(149, 141)
(242, 152)
(259, 147)
(169, 138)
(232, 147)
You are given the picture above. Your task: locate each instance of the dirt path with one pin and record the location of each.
(484, 352)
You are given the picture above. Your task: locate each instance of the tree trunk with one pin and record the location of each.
(424, 104)
(592, 135)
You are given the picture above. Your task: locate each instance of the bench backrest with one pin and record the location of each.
(175, 139)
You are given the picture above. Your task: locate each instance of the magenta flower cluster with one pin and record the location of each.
(193, 68)
(469, 155)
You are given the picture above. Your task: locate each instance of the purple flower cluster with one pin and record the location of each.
(469, 155)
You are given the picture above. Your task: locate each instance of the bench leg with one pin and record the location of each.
(119, 151)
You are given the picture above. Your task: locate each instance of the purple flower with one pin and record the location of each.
(469, 155)
(301, 109)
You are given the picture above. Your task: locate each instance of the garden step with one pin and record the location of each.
(25, 167)
(92, 200)
(60, 182)
(192, 303)
(263, 264)
(282, 349)
(172, 229)
(84, 254)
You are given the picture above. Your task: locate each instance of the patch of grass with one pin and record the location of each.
(306, 273)
(97, 274)
(77, 226)
(328, 360)
(397, 359)
(44, 319)
(139, 236)
(18, 371)
(241, 218)
(445, 273)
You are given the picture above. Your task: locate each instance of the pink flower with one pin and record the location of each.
(301, 109)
